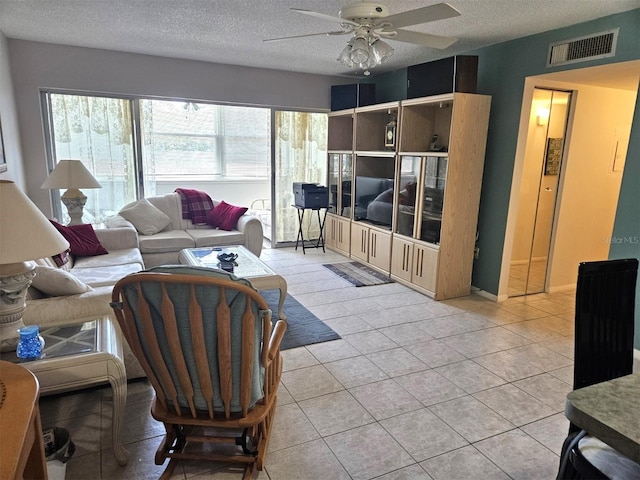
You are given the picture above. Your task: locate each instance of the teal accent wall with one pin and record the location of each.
(390, 86)
(626, 230)
(502, 71)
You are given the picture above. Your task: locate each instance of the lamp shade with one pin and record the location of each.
(70, 174)
(25, 233)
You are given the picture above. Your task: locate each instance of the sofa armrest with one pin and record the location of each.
(119, 235)
(251, 228)
(69, 308)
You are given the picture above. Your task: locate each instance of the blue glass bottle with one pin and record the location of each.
(31, 343)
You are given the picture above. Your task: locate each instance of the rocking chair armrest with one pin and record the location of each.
(274, 341)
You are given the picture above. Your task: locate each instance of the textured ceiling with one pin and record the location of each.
(232, 31)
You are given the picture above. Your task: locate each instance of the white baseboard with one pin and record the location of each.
(484, 294)
(636, 361)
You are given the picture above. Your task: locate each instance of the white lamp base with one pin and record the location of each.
(75, 201)
(15, 279)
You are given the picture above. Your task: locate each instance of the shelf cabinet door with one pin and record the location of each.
(338, 233)
(425, 267)
(333, 180)
(339, 179)
(402, 258)
(331, 232)
(380, 249)
(360, 242)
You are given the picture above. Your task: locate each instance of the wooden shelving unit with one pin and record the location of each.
(425, 237)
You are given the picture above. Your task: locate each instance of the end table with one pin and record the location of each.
(78, 356)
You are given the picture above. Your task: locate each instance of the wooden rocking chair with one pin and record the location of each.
(205, 340)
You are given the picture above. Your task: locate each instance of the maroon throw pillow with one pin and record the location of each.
(82, 239)
(225, 216)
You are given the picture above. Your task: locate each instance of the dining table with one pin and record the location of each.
(609, 411)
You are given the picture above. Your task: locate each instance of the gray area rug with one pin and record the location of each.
(358, 274)
(303, 327)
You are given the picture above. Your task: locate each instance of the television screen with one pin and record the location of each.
(374, 200)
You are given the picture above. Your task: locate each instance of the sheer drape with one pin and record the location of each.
(97, 131)
(300, 156)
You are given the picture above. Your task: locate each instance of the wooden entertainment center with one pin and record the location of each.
(409, 210)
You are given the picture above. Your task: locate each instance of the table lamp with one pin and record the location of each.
(25, 234)
(72, 175)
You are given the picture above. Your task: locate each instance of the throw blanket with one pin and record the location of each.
(195, 205)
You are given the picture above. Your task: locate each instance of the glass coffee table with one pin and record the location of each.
(248, 266)
(78, 356)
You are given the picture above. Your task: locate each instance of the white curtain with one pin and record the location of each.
(97, 131)
(300, 156)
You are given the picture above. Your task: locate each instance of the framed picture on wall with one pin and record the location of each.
(3, 160)
(553, 156)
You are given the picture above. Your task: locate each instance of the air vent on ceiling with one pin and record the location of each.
(581, 49)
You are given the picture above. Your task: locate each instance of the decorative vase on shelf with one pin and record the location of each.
(31, 343)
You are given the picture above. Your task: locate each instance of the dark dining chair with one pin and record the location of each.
(604, 326)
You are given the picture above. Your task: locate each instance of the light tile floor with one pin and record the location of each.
(414, 390)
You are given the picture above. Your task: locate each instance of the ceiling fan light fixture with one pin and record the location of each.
(345, 56)
(360, 51)
(381, 51)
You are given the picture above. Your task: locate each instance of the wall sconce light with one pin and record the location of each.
(542, 116)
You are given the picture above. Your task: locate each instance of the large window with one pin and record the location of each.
(98, 131)
(181, 144)
(203, 141)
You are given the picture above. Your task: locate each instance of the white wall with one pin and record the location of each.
(35, 66)
(9, 121)
(590, 188)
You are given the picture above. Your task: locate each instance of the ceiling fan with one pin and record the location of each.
(370, 23)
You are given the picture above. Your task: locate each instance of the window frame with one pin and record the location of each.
(137, 132)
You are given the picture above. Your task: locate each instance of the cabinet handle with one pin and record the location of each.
(405, 259)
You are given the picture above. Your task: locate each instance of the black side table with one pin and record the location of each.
(321, 219)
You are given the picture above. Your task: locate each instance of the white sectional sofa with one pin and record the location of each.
(66, 298)
(163, 247)
(51, 306)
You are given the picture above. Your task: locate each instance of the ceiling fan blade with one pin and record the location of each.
(439, 11)
(342, 21)
(340, 32)
(419, 38)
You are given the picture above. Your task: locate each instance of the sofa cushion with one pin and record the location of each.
(125, 256)
(57, 282)
(168, 241)
(225, 216)
(82, 239)
(147, 218)
(99, 277)
(171, 206)
(215, 238)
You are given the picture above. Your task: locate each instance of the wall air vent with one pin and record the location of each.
(581, 49)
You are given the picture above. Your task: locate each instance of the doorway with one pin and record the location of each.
(594, 149)
(538, 192)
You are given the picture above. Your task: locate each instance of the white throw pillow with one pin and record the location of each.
(146, 217)
(57, 282)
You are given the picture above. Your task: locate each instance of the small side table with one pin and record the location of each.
(22, 452)
(78, 356)
(321, 220)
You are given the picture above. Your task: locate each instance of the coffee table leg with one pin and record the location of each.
(118, 381)
(282, 286)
